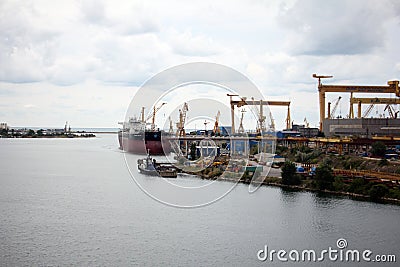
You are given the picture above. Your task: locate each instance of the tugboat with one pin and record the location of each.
(149, 166)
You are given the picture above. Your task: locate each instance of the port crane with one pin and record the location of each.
(272, 125)
(171, 128)
(331, 114)
(216, 130)
(391, 88)
(261, 118)
(370, 100)
(205, 127)
(152, 115)
(306, 123)
(241, 128)
(182, 118)
(391, 111)
(243, 102)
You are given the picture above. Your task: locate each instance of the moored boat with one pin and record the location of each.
(149, 166)
(135, 138)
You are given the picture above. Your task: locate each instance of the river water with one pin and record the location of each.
(74, 202)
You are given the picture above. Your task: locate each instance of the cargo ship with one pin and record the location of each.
(135, 138)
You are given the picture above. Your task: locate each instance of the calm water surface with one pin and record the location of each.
(73, 202)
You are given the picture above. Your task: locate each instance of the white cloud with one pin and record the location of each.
(197, 46)
(75, 49)
(335, 27)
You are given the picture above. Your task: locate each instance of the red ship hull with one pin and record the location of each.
(141, 146)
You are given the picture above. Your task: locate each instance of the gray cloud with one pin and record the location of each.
(335, 27)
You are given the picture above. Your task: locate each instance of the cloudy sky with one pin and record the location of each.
(82, 61)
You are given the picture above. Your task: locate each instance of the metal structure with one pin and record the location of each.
(331, 114)
(142, 115)
(261, 118)
(152, 116)
(205, 127)
(241, 128)
(261, 103)
(182, 119)
(306, 123)
(371, 101)
(216, 129)
(368, 110)
(391, 88)
(391, 111)
(171, 127)
(272, 125)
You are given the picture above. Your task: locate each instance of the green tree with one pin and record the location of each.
(193, 151)
(339, 185)
(4, 132)
(378, 191)
(324, 177)
(289, 175)
(360, 186)
(31, 132)
(378, 149)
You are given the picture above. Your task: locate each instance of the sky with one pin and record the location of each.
(83, 61)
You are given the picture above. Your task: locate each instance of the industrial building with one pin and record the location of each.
(3, 126)
(362, 127)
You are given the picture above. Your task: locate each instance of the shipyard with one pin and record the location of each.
(199, 133)
(356, 154)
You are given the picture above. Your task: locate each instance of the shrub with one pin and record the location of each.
(289, 175)
(378, 149)
(359, 186)
(324, 177)
(378, 191)
(339, 185)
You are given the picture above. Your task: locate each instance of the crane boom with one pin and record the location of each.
(335, 106)
(152, 116)
(392, 112)
(368, 110)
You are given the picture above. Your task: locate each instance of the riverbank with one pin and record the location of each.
(41, 133)
(276, 182)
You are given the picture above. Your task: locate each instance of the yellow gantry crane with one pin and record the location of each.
(391, 88)
(261, 103)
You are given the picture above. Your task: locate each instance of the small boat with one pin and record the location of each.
(149, 166)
